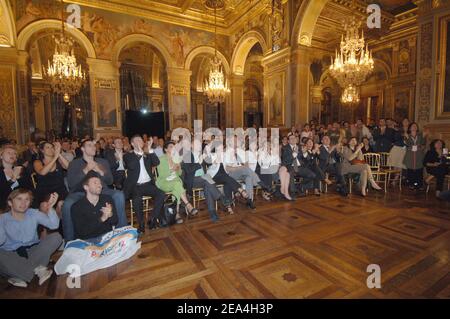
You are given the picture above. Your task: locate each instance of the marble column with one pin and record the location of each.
(301, 62)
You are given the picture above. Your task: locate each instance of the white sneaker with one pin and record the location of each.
(43, 274)
(18, 282)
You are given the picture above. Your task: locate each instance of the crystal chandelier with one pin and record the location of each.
(350, 95)
(216, 86)
(354, 62)
(63, 72)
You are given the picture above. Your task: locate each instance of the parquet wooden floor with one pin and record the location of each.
(316, 247)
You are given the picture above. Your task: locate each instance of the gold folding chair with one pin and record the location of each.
(145, 208)
(33, 180)
(197, 196)
(374, 161)
(391, 171)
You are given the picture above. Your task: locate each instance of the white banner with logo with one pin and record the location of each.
(114, 247)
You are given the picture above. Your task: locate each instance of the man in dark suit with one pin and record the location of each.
(114, 157)
(141, 182)
(291, 158)
(329, 162)
(383, 137)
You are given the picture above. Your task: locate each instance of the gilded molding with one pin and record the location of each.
(7, 104)
(105, 83)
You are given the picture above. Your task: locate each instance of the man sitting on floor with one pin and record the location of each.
(94, 215)
(22, 254)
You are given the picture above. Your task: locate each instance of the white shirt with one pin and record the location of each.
(295, 153)
(121, 166)
(234, 158)
(159, 151)
(68, 156)
(14, 185)
(143, 175)
(268, 162)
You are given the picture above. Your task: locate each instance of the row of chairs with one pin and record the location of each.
(381, 170)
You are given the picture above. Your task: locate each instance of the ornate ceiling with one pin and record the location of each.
(191, 13)
(393, 6)
(329, 27)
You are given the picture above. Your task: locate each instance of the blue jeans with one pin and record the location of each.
(119, 203)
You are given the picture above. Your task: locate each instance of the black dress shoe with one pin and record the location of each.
(266, 188)
(301, 194)
(141, 230)
(251, 204)
(153, 224)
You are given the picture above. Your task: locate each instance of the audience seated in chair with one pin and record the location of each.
(436, 164)
(354, 164)
(12, 176)
(22, 254)
(114, 156)
(291, 155)
(93, 215)
(49, 168)
(309, 159)
(265, 164)
(76, 173)
(330, 162)
(194, 176)
(236, 166)
(169, 181)
(140, 182)
(213, 156)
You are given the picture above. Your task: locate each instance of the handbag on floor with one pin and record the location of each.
(169, 213)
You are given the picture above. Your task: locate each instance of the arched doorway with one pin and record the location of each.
(254, 88)
(50, 111)
(254, 46)
(143, 85)
(198, 62)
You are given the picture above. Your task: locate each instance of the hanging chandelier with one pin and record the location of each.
(350, 95)
(354, 62)
(216, 85)
(63, 72)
